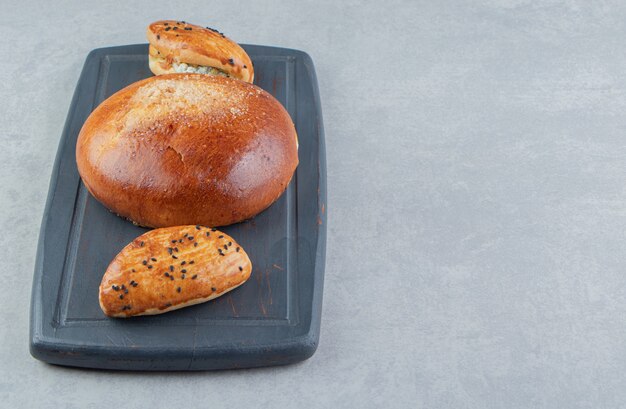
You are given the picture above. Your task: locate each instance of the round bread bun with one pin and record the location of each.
(182, 149)
(173, 43)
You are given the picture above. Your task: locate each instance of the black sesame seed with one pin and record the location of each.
(197, 227)
(167, 274)
(144, 262)
(230, 243)
(191, 262)
(188, 28)
(150, 266)
(220, 236)
(132, 270)
(131, 282)
(169, 304)
(195, 244)
(231, 61)
(180, 241)
(115, 288)
(169, 250)
(182, 277)
(222, 254)
(175, 28)
(186, 234)
(237, 249)
(193, 277)
(174, 257)
(176, 249)
(173, 241)
(179, 289)
(153, 259)
(126, 291)
(183, 271)
(207, 234)
(183, 263)
(225, 247)
(158, 37)
(190, 238)
(245, 66)
(213, 289)
(121, 296)
(213, 229)
(167, 24)
(171, 268)
(172, 278)
(123, 287)
(141, 244)
(167, 28)
(240, 268)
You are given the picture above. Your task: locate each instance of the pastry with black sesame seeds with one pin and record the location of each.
(155, 290)
(195, 49)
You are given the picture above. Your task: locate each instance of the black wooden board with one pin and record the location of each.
(272, 319)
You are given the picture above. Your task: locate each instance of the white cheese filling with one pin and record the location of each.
(198, 69)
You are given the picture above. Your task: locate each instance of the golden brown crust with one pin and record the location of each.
(171, 268)
(181, 42)
(183, 149)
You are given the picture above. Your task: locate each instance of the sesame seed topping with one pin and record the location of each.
(167, 24)
(174, 256)
(191, 262)
(193, 277)
(195, 244)
(153, 259)
(183, 263)
(237, 249)
(166, 274)
(213, 289)
(115, 288)
(231, 61)
(167, 28)
(182, 277)
(175, 28)
(188, 28)
(171, 268)
(169, 250)
(213, 229)
(144, 262)
(179, 289)
(141, 244)
(230, 243)
(197, 227)
(190, 238)
(245, 66)
(150, 266)
(240, 268)
(221, 236)
(171, 277)
(132, 270)
(183, 271)
(121, 296)
(207, 234)
(173, 241)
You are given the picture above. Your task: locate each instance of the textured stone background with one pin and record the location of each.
(477, 201)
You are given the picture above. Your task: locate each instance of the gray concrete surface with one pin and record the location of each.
(477, 201)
